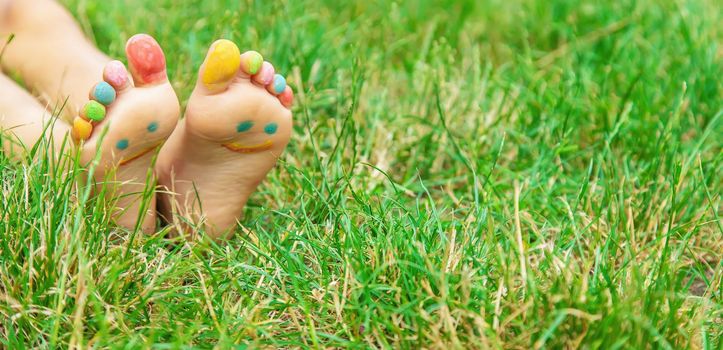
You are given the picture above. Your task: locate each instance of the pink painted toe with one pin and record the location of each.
(146, 60)
(287, 97)
(115, 74)
(266, 75)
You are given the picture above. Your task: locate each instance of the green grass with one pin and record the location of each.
(463, 174)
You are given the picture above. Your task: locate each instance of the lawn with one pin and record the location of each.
(463, 174)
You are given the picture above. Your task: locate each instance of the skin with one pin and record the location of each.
(207, 151)
(22, 119)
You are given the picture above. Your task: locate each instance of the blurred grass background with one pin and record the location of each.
(463, 174)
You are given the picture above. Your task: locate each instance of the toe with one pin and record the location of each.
(265, 75)
(220, 66)
(116, 75)
(277, 85)
(81, 129)
(103, 92)
(146, 60)
(287, 97)
(251, 62)
(93, 111)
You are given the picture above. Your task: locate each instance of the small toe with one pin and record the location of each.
(116, 75)
(251, 62)
(220, 66)
(81, 129)
(277, 85)
(146, 60)
(103, 93)
(93, 111)
(287, 97)
(265, 75)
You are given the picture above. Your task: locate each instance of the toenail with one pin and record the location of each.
(103, 93)
(244, 126)
(93, 111)
(152, 127)
(271, 128)
(122, 144)
(279, 83)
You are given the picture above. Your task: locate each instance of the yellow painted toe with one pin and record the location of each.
(222, 64)
(81, 129)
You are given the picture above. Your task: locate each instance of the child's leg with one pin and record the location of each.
(49, 52)
(22, 120)
(139, 110)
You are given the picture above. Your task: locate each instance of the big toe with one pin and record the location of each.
(146, 60)
(220, 66)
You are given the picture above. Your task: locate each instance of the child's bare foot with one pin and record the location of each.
(237, 124)
(140, 115)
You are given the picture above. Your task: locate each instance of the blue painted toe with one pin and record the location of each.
(104, 93)
(279, 83)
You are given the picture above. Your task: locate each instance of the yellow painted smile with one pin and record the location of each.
(237, 147)
(135, 156)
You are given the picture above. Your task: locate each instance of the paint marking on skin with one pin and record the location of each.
(279, 83)
(244, 126)
(115, 74)
(103, 93)
(152, 127)
(122, 144)
(81, 129)
(287, 97)
(142, 153)
(146, 58)
(93, 111)
(271, 128)
(251, 62)
(222, 63)
(265, 74)
(237, 147)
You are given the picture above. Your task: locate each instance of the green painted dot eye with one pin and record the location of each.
(152, 127)
(270, 128)
(122, 144)
(244, 126)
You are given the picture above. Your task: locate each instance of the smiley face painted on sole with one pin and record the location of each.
(257, 123)
(127, 139)
(252, 139)
(150, 143)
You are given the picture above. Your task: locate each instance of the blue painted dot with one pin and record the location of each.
(271, 128)
(152, 127)
(244, 126)
(122, 144)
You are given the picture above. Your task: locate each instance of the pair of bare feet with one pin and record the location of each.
(237, 123)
